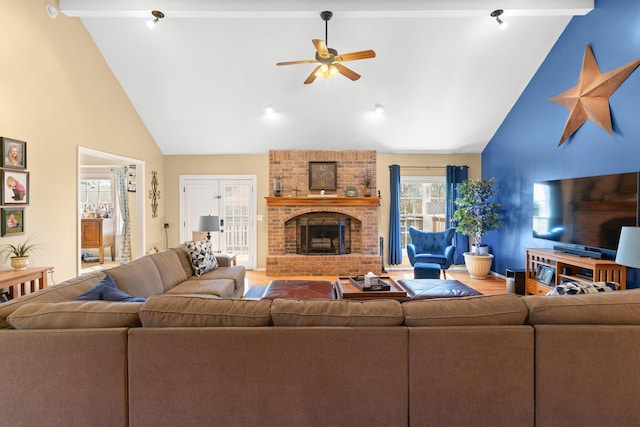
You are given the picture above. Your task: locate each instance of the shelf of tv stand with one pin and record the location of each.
(570, 267)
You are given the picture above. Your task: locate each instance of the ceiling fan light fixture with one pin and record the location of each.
(496, 14)
(157, 15)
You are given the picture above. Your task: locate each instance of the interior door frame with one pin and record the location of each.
(253, 207)
(137, 222)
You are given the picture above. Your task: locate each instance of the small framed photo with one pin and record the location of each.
(12, 221)
(544, 274)
(14, 153)
(351, 192)
(15, 187)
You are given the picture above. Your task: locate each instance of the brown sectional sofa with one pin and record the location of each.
(199, 359)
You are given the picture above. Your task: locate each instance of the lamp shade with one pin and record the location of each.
(209, 223)
(629, 247)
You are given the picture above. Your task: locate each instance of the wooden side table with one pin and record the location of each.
(23, 282)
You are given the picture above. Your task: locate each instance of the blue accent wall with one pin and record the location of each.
(525, 147)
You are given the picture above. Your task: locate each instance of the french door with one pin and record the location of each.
(233, 200)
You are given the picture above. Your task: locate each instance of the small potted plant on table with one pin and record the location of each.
(19, 254)
(476, 215)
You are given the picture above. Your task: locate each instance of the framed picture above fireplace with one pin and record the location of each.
(323, 175)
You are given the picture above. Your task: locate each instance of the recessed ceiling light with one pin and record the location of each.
(269, 109)
(378, 108)
(52, 11)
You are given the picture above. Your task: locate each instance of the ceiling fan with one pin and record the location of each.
(329, 59)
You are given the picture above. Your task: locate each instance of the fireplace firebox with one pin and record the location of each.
(323, 236)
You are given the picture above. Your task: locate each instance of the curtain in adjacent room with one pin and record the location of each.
(123, 204)
(455, 175)
(395, 240)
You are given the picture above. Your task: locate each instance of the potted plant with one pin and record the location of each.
(476, 215)
(18, 254)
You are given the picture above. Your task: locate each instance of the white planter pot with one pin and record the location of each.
(478, 266)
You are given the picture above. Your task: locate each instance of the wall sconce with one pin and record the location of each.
(157, 15)
(496, 14)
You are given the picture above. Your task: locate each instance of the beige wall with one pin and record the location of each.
(58, 94)
(259, 165)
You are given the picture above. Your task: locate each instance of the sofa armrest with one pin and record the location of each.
(223, 260)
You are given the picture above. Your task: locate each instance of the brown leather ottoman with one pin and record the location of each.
(436, 288)
(302, 289)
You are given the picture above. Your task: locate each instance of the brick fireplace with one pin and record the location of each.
(342, 231)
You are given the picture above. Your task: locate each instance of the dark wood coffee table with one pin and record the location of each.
(346, 290)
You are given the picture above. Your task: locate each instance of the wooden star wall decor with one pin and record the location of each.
(589, 99)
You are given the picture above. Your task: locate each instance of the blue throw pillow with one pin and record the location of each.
(107, 290)
(115, 294)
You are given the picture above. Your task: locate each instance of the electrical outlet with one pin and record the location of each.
(166, 225)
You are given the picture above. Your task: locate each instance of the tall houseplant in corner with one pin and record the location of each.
(476, 215)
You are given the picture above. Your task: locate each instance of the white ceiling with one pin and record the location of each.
(445, 72)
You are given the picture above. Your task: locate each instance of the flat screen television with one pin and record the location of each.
(586, 214)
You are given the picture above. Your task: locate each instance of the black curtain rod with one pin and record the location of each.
(423, 167)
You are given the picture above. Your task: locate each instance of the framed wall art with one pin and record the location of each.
(11, 221)
(14, 153)
(15, 187)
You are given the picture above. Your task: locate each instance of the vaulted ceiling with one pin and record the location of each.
(445, 71)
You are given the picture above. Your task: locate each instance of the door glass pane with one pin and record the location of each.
(236, 220)
(422, 205)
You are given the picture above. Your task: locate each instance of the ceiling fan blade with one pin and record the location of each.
(353, 56)
(312, 76)
(321, 47)
(304, 61)
(348, 73)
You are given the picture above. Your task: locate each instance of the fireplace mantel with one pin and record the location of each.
(323, 201)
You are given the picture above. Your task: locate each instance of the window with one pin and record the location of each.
(422, 205)
(96, 197)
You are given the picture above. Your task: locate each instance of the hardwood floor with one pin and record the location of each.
(490, 286)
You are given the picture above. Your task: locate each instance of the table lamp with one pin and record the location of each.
(209, 223)
(629, 247)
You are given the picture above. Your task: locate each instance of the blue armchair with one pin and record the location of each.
(432, 247)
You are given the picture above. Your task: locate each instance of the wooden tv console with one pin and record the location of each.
(568, 267)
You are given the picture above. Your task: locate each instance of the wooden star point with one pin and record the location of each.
(589, 99)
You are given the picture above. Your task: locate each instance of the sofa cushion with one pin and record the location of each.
(608, 308)
(295, 312)
(183, 255)
(107, 290)
(170, 267)
(220, 287)
(139, 278)
(574, 287)
(64, 291)
(76, 315)
(479, 310)
(203, 310)
(201, 256)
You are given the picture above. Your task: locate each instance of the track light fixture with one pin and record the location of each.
(496, 14)
(157, 15)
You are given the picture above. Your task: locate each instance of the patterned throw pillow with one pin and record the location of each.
(201, 256)
(574, 287)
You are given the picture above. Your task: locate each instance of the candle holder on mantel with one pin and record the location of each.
(277, 190)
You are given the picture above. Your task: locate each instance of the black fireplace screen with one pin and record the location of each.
(323, 236)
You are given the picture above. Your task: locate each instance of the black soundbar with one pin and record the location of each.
(582, 251)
